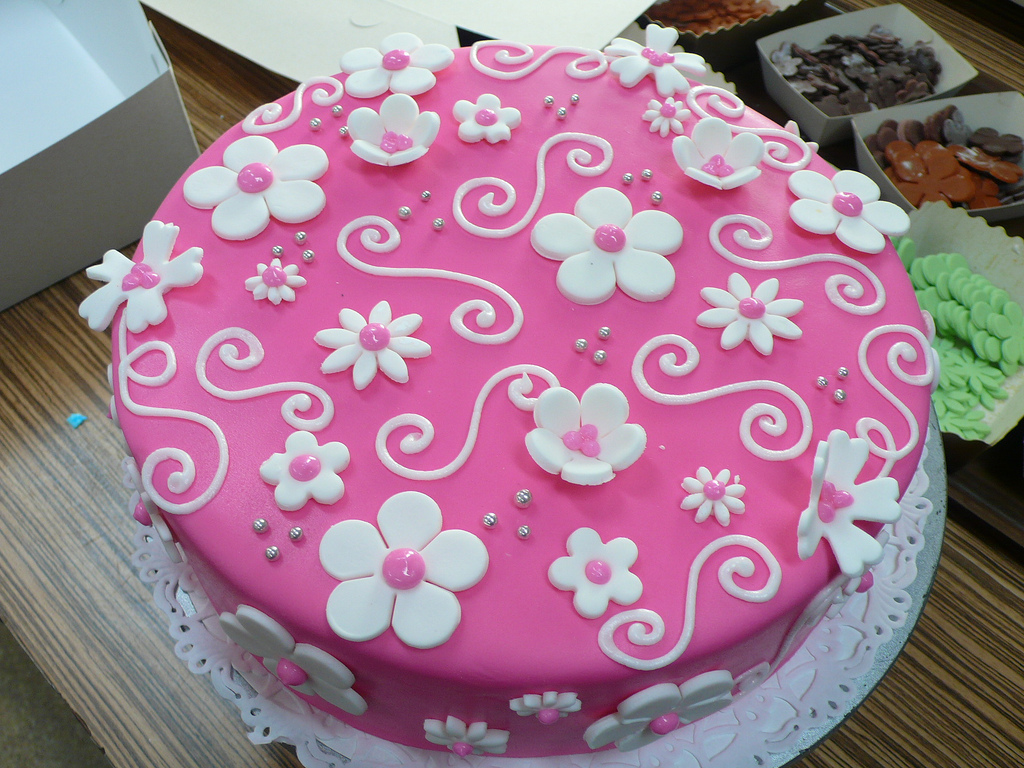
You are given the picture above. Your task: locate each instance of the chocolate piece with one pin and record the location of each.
(928, 172)
(1003, 145)
(955, 129)
(977, 159)
(910, 130)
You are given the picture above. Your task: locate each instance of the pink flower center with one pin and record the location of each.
(395, 142)
(665, 724)
(598, 572)
(290, 673)
(403, 568)
(752, 309)
(583, 440)
(255, 177)
(462, 749)
(848, 204)
(668, 109)
(717, 166)
(548, 716)
(141, 276)
(273, 276)
(142, 514)
(610, 238)
(714, 490)
(304, 468)
(830, 500)
(396, 59)
(374, 337)
(487, 117)
(657, 59)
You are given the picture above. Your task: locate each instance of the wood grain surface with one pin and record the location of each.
(69, 593)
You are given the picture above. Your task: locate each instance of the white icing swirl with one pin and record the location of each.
(647, 627)
(267, 118)
(180, 481)
(753, 234)
(230, 356)
(505, 56)
(374, 227)
(423, 436)
(901, 350)
(769, 418)
(578, 160)
(728, 106)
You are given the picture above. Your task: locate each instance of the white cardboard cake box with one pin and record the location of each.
(94, 135)
(1002, 111)
(819, 127)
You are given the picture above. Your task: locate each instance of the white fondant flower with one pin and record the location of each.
(301, 666)
(716, 495)
(848, 205)
(306, 470)
(396, 136)
(666, 116)
(713, 156)
(274, 282)
(256, 183)
(142, 284)
(653, 712)
(838, 502)
(597, 572)
(402, 64)
(756, 316)
(586, 441)
(602, 244)
(403, 576)
(486, 119)
(377, 342)
(632, 62)
(464, 740)
(145, 511)
(549, 707)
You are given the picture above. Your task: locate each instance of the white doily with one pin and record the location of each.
(838, 665)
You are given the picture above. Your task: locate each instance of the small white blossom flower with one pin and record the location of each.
(549, 707)
(464, 740)
(486, 119)
(597, 572)
(715, 495)
(142, 284)
(377, 342)
(306, 470)
(632, 62)
(403, 576)
(602, 244)
(396, 136)
(848, 205)
(586, 441)
(715, 157)
(838, 502)
(666, 116)
(656, 711)
(274, 282)
(402, 64)
(756, 316)
(256, 183)
(301, 666)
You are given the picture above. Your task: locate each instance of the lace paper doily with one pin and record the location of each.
(841, 661)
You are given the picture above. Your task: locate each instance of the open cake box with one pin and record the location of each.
(95, 136)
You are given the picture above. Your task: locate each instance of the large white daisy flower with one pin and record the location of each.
(632, 62)
(399, 134)
(402, 64)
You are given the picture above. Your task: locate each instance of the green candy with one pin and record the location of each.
(998, 325)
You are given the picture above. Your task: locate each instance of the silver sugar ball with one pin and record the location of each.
(315, 124)
(260, 525)
(308, 255)
(840, 395)
(627, 178)
(300, 237)
(523, 498)
(843, 372)
(295, 533)
(438, 224)
(425, 195)
(343, 131)
(600, 356)
(277, 250)
(821, 383)
(490, 520)
(561, 113)
(656, 198)
(574, 99)
(404, 212)
(523, 532)
(273, 553)
(581, 345)
(647, 174)
(337, 109)
(604, 332)
(549, 101)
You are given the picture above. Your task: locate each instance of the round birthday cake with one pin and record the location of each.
(511, 400)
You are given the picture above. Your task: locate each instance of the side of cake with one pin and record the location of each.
(518, 401)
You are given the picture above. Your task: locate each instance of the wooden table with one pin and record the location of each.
(69, 593)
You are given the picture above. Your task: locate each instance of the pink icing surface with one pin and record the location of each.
(518, 634)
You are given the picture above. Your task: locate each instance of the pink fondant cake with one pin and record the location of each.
(518, 401)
